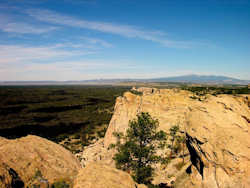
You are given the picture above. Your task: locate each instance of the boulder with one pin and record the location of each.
(96, 175)
(33, 160)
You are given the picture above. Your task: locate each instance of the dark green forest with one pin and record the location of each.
(57, 112)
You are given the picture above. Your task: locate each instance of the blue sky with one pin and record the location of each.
(92, 39)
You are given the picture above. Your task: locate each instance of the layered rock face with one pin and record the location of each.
(218, 139)
(168, 106)
(216, 127)
(32, 160)
(96, 175)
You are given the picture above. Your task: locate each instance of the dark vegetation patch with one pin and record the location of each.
(53, 109)
(41, 119)
(136, 92)
(179, 165)
(230, 90)
(11, 110)
(95, 100)
(60, 184)
(57, 112)
(54, 133)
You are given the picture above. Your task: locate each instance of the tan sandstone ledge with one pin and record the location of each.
(96, 175)
(35, 160)
(217, 132)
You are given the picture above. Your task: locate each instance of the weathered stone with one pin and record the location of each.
(96, 175)
(217, 129)
(34, 160)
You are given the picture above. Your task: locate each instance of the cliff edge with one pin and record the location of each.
(217, 135)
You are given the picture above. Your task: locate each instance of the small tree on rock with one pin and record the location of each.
(136, 150)
(182, 140)
(173, 133)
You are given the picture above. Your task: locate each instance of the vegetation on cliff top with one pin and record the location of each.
(137, 149)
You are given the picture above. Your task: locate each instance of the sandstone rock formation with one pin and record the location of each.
(96, 152)
(96, 175)
(33, 160)
(6, 179)
(217, 134)
(167, 106)
(218, 139)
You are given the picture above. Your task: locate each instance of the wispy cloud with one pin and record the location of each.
(83, 70)
(21, 53)
(97, 41)
(53, 62)
(20, 25)
(118, 29)
(25, 65)
(76, 43)
(56, 63)
(24, 28)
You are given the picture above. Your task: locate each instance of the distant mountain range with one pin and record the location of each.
(211, 79)
(202, 79)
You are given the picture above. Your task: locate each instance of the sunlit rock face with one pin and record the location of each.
(96, 175)
(168, 106)
(216, 127)
(33, 160)
(217, 145)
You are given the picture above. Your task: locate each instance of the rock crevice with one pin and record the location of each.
(218, 148)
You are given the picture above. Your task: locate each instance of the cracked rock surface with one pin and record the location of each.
(33, 160)
(96, 175)
(217, 132)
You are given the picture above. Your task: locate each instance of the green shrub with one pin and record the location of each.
(76, 136)
(136, 92)
(179, 165)
(137, 149)
(60, 184)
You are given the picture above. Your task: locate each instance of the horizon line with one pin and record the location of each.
(103, 79)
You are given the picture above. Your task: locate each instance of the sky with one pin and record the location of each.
(101, 39)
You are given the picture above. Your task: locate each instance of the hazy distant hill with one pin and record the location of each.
(202, 79)
(208, 79)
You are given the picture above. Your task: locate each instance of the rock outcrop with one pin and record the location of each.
(217, 131)
(168, 106)
(96, 152)
(218, 139)
(217, 134)
(32, 160)
(96, 175)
